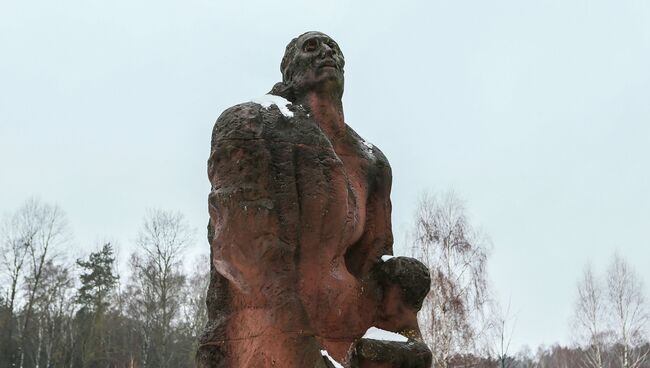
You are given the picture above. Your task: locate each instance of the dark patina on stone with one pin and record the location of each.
(392, 354)
(300, 216)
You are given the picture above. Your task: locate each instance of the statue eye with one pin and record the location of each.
(310, 45)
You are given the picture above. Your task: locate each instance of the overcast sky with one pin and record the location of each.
(536, 112)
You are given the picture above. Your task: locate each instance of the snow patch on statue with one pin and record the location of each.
(334, 362)
(368, 147)
(267, 100)
(375, 333)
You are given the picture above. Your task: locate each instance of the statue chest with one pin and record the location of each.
(323, 187)
(331, 192)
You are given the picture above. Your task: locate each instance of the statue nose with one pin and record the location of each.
(327, 50)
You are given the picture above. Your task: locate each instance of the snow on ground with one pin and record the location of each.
(386, 257)
(267, 100)
(375, 333)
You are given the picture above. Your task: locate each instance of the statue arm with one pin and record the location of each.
(377, 239)
(404, 282)
(266, 321)
(380, 209)
(245, 242)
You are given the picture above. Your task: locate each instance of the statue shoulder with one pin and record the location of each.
(242, 121)
(248, 120)
(379, 156)
(372, 152)
(381, 164)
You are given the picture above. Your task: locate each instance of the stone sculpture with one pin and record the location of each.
(300, 217)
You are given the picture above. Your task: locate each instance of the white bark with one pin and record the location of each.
(157, 276)
(629, 313)
(589, 319)
(456, 255)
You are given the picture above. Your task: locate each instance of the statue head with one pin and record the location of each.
(312, 61)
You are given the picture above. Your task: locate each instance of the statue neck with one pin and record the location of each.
(327, 111)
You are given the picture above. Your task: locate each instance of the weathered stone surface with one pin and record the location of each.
(391, 354)
(299, 218)
(405, 282)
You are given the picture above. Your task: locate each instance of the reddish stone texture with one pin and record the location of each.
(299, 218)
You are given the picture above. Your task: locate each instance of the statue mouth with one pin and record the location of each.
(328, 64)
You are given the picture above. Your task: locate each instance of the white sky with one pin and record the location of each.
(536, 112)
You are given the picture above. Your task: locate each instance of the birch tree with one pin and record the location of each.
(589, 319)
(502, 327)
(194, 314)
(628, 312)
(15, 237)
(157, 282)
(38, 228)
(53, 301)
(456, 254)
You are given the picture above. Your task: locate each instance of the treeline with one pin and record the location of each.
(465, 327)
(555, 356)
(58, 312)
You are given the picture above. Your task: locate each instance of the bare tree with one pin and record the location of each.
(157, 282)
(54, 300)
(14, 248)
(194, 314)
(456, 254)
(193, 311)
(38, 229)
(557, 357)
(629, 313)
(502, 329)
(525, 358)
(15, 238)
(589, 319)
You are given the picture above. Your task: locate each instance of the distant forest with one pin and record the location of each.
(63, 310)
(55, 313)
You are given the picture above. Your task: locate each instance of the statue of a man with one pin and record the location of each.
(300, 217)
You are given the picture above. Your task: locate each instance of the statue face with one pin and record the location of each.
(316, 64)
